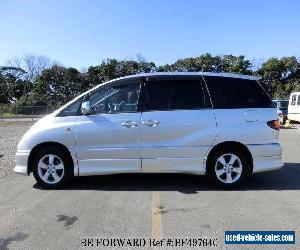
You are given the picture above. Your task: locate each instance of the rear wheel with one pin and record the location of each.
(228, 168)
(52, 167)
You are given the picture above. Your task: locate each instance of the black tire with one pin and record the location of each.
(211, 166)
(66, 174)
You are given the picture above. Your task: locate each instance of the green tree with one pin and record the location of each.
(282, 76)
(4, 93)
(58, 85)
(112, 68)
(41, 85)
(209, 63)
(12, 84)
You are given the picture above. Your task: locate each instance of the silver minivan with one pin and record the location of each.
(220, 125)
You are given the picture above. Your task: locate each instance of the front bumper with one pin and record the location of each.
(22, 162)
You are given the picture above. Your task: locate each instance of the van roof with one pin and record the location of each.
(231, 75)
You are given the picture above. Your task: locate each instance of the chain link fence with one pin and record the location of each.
(25, 112)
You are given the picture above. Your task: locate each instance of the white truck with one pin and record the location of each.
(294, 107)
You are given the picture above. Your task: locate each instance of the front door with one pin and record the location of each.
(178, 125)
(108, 140)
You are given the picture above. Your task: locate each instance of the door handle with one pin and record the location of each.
(151, 123)
(130, 124)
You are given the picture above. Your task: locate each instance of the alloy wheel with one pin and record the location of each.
(228, 168)
(51, 169)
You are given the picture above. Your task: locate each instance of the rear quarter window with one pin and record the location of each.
(233, 93)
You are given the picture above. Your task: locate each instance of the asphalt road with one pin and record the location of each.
(145, 206)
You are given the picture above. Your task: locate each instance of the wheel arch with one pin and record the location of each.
(39, 146)
(242, 147)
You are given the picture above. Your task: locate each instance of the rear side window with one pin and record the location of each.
(175, 94)
(232, 93)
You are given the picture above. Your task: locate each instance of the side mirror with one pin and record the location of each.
(86, 108)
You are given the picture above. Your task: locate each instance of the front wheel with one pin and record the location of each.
(52, 167)
(228, 168)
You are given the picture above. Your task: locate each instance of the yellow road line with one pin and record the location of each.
(156, 220)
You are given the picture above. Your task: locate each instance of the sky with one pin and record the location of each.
(81, 33)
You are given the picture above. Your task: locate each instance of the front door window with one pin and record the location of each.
(116, 99)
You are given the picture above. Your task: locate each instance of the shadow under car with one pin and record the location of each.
(286, 178)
